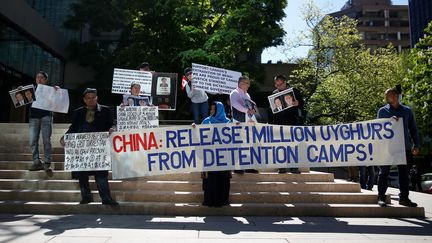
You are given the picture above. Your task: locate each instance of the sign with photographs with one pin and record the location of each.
(282, 100)
(51, 99)
(23, 96)
(123, 78)
(251, 106)
(160, 88)
(213, 79)
(87, 151)
(132, 100)
(137, 117)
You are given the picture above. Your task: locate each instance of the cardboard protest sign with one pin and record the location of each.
(260, 146)
(282, 100)
(23, 96)
(50, 99)
(132, 100)
(213, 79)
(137, 117)
(87, 151)
(123, 78)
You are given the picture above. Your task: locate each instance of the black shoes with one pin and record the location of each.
(382, 201)
(407, 202)
(86, 201)
(110, 202)
(36, 167)
(252, 171)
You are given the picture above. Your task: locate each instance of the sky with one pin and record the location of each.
(293, 25)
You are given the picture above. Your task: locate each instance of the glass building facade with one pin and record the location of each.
(23, 55)
(420, 16)
(55, 12)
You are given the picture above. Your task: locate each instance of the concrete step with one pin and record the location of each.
(236, 186)
(65, 175)
(28, 157)
(193, 197)
(195, 209)
(20, 126)
(25, 148)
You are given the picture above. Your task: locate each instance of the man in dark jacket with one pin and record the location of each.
(292, 116)
(92, 118)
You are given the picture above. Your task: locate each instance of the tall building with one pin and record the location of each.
(420, 13)
(32, 38)
(379, 22)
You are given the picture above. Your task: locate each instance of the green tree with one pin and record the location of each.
(342, 80)
(418, 83)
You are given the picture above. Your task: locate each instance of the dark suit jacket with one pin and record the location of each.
(102, 123)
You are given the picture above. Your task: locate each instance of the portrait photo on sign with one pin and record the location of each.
(163, 86)
(132, 100)
(282, 100)
(23, 96)
(164, 94)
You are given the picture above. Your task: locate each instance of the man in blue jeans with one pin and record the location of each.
(41, 120)
(396, 110)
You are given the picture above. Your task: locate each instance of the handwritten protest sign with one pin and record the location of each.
(137, 117)
(87, 151)
(123, 78)
(282, 100)
(260, 146)
(213, 79)
(23, 95)
(50, 99)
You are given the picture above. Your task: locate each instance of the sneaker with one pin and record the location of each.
(86, 201)
(36, 167)
(47, 167)
(407, 202)
(110, 202)
(382, 201)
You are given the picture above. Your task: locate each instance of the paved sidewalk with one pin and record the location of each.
(158, 229)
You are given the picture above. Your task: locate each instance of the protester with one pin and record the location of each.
(135, 90)
(228, 110)
(292, 116)
(216, 184)
(239, 98)
(92, 117)
(395, 110)
(145, 66)
(198, 97)
(41, 121)
(366, 177)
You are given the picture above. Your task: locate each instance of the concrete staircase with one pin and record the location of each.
(265, 194)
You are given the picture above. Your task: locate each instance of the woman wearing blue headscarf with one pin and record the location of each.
(216, 184)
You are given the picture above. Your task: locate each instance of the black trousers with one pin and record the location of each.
(101, 184)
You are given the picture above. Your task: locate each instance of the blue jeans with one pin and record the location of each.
(403, 171)
(36, 125)
(200, 109)
(366, 180)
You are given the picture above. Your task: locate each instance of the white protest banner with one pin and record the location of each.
(50, 99)
(137, 117)
(87, 151)
(23, 95)
(236, 147)
(282, 100)
(213, 79)
(123, 78)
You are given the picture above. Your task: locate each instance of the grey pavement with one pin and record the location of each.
(161, 229)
